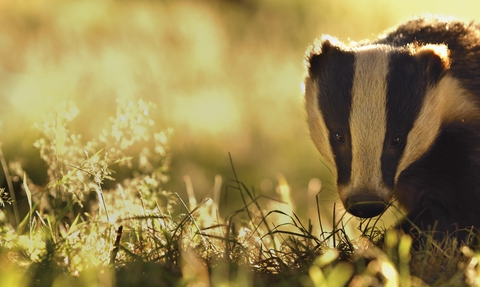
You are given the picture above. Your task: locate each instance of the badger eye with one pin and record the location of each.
(339, 137)
(396, 140)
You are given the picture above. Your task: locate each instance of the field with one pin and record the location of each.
(164, 143)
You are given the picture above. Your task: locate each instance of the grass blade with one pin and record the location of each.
(10, 186)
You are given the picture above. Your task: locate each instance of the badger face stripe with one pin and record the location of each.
(423, 105)
(439, 107)
(318, 129)
(368, 121)
(328, 102)
(405, 96)
(334, 96)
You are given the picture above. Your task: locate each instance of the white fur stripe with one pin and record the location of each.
(368, 118)
(446, 102)
(316, 122)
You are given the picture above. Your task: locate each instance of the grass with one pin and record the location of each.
(76, 232)
(225, 75)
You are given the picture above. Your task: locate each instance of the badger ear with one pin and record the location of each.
(434, 59)
(317, 53)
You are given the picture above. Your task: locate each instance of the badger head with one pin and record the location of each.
(373, 110)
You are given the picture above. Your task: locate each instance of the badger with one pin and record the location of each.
(398, 119)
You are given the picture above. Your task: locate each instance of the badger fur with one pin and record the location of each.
(399, 119)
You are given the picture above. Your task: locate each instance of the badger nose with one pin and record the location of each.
(365, 206)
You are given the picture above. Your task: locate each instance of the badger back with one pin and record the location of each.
(373, 110)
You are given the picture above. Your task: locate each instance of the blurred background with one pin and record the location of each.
(225, 75)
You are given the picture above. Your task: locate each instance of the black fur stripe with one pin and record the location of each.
(335, 80)
(409, 78)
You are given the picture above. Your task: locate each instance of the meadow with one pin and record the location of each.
(164, 143)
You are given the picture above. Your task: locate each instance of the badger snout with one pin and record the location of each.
(365, 205)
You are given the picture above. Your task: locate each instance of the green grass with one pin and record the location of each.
(77, 232)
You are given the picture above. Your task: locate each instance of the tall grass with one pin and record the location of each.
(78, 232)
